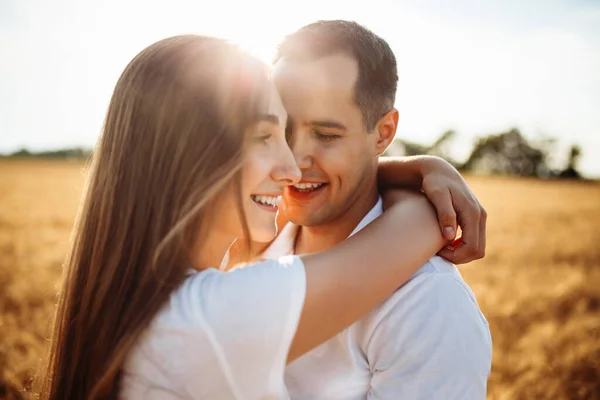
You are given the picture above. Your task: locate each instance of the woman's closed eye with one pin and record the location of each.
(263, 137)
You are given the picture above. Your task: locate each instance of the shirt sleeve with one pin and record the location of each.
(432, 343)
(251, 314)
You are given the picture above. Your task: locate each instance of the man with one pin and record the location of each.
(429, 340)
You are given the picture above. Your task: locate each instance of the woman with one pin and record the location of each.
(193, 156)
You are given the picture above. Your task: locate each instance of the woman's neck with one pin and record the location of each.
(212, 250)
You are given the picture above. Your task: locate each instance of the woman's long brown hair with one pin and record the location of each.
(172, 144)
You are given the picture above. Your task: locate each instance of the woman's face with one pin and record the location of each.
(269, 167)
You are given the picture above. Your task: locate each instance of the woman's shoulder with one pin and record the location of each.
(241, 319)
(210, 295)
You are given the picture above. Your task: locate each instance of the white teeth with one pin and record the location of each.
(266, 200)
(309, 186)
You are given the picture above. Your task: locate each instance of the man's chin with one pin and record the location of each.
(305, 219)
(306, 213)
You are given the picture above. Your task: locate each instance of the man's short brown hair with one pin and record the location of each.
(375, 88)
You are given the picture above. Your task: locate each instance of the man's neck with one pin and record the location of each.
(311, 239)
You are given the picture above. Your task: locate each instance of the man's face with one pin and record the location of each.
(337, 156)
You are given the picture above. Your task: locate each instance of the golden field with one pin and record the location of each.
(539, 285)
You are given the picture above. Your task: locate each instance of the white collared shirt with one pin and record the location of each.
(429, 340)
(221, 335)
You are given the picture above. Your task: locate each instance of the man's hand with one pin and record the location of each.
(455, 203)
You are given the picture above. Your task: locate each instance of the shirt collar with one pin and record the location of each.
(284, 242)
(375, 212)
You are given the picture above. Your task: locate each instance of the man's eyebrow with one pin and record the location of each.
(271, 118)
(327, 124)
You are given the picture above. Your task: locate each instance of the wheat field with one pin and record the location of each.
(539, 284)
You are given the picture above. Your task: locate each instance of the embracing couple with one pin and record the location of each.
(348, 292)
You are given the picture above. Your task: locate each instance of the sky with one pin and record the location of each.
(474, 66)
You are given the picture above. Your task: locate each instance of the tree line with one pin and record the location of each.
(504, 153)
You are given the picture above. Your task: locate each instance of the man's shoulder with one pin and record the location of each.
(436, 266)
(432, 323)
(435, 275)
(429, 291)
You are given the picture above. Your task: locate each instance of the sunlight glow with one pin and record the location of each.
(469, 69)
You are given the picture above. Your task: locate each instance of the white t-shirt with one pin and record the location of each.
(428, 341)
(222, 335)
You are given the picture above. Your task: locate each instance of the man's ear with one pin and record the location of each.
(386, 130)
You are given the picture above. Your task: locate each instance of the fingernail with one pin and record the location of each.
(449, 232)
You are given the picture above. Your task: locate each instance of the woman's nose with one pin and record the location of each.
(287, 172)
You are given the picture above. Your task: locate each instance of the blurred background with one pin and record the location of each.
(508, 91)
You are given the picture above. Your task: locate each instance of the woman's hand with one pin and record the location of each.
(455, 203)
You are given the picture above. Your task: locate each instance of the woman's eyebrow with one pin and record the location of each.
(271, 118)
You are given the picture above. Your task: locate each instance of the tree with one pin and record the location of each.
(21, 153)
(438, 148)
(571, 171)
(507, 153)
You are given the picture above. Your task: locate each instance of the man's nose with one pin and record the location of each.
(301, 150)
